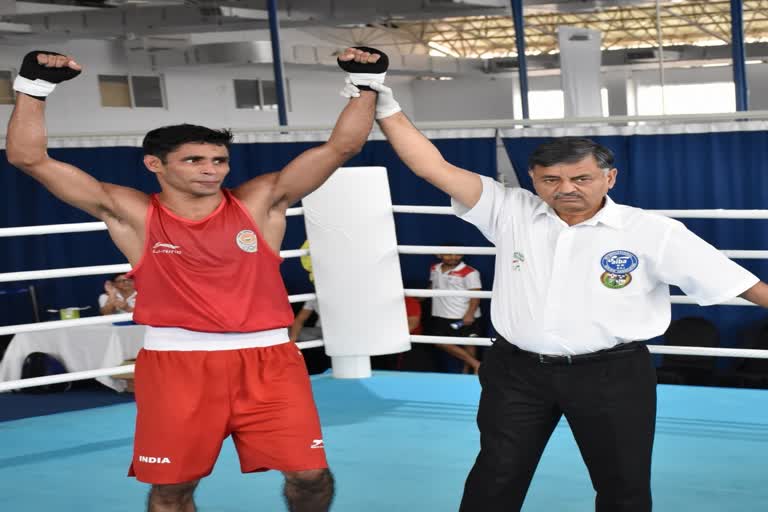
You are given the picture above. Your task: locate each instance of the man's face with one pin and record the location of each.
(573, 188)
(450, 260)
(124, 285)
(198, 169)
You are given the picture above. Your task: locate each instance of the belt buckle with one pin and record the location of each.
(544, 359)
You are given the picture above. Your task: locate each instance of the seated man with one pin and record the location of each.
(120, 296)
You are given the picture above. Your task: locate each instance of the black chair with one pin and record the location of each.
(5, 340)
(750, 372)
(691, 331)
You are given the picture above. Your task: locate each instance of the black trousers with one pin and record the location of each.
(439, 326)
(609, 401)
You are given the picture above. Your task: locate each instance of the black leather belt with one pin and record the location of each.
(621, 350)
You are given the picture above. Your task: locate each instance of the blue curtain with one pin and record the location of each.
(27, 203)
(691, 171)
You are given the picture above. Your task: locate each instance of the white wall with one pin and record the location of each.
(202, 95)
(465, 98)
(205, 95)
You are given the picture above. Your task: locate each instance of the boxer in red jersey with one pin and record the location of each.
(217, 360)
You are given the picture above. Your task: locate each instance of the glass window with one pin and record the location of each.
(139, 91)
(707, 98)
(147, 91)
(6, 88)
(551, 104)
(115, 91)
(259, 94)
(546, 104)
(269, 95)
(247, 94)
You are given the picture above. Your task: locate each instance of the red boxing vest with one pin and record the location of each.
(213, 275)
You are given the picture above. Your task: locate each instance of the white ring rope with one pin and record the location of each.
(437, 210)
(678, 214)
(295, 253)
(489, 251)
(105, 319)
(483, 294)
(99, 269)
(81, 227)
(102, 372)
(447, 249)
(748, 353)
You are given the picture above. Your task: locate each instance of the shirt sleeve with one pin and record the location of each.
(412, 307)
(310, 305)
(699, 269)
(487, 211)
(473, 280)
(102, 300)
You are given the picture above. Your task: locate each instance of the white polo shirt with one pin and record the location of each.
(562, 289)
(463, 277)
(131, 301)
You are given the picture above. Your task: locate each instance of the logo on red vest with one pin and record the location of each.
(247, 241)
(164, 248)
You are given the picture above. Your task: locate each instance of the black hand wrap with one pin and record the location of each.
(37, 80)
(362, 74)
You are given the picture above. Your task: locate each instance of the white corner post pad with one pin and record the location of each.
(35, 87)
(351, 231)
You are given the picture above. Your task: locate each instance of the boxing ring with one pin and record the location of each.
(396, 440)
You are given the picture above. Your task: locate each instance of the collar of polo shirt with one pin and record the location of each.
(609, 214)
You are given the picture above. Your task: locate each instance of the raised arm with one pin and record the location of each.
(418, 152)
(424, 159)
(313, 167)
(26, 141)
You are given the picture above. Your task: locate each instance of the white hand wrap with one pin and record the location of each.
(36, 87)
(366, 78)
(386, 105)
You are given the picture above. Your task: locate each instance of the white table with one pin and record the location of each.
(88, 347)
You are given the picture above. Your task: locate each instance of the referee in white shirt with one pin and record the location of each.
(580, 282)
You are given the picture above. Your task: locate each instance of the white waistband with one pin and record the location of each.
(174, 338)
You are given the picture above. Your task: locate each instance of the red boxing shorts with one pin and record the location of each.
(188, 402)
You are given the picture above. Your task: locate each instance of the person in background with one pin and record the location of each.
(413, 311)
(298, 330)
(455, 316)
(119, 296)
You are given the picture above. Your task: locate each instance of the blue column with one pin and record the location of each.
(277, 61)
(522, 67)
(737, 49)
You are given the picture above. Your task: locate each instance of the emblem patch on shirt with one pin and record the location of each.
(618, 266)
(517, 261)
(247, 241)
